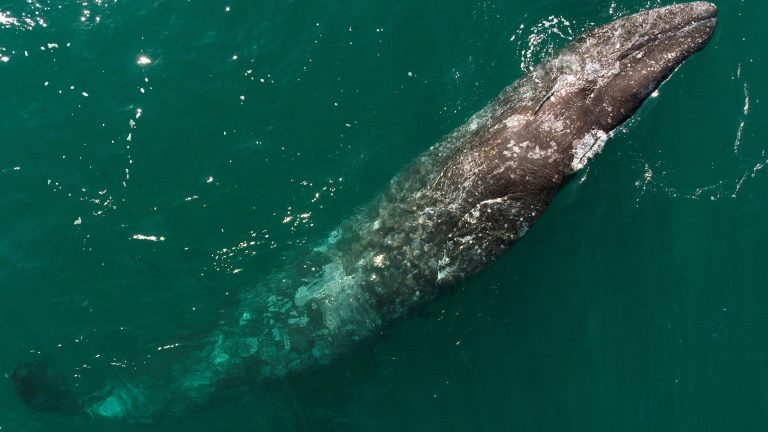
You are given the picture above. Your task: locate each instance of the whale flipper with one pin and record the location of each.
(42, 389)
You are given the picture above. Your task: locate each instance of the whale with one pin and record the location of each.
(448, 214)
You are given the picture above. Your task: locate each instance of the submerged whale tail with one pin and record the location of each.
(42, 389)
(138, 400)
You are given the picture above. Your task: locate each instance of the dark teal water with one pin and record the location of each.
(140, 197)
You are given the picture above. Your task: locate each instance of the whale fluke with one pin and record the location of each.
(42, 389)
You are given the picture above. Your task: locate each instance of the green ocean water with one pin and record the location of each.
(157, 159)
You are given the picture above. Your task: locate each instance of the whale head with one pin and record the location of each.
(610, 70)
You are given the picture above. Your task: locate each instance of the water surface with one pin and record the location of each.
(158, 158)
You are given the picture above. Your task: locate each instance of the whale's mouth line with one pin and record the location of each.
(644, 42)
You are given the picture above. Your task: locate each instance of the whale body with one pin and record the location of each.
(452, 211)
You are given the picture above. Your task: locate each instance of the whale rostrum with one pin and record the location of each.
(454, 209)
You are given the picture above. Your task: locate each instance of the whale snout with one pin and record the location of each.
(701, 9)
(616, 66)
(681, 28)
(687, 16)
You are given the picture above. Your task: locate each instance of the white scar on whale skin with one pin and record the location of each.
(586, 148)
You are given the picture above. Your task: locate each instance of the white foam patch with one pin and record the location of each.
(147, 237)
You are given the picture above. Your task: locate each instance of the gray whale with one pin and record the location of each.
(452, 211)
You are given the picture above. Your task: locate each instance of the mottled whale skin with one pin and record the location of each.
(456, 208)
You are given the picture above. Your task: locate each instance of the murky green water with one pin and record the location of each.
(157, 159)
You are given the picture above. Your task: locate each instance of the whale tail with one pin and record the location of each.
(193, 380)
(42, 389)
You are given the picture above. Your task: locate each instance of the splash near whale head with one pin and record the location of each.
(446, 216)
